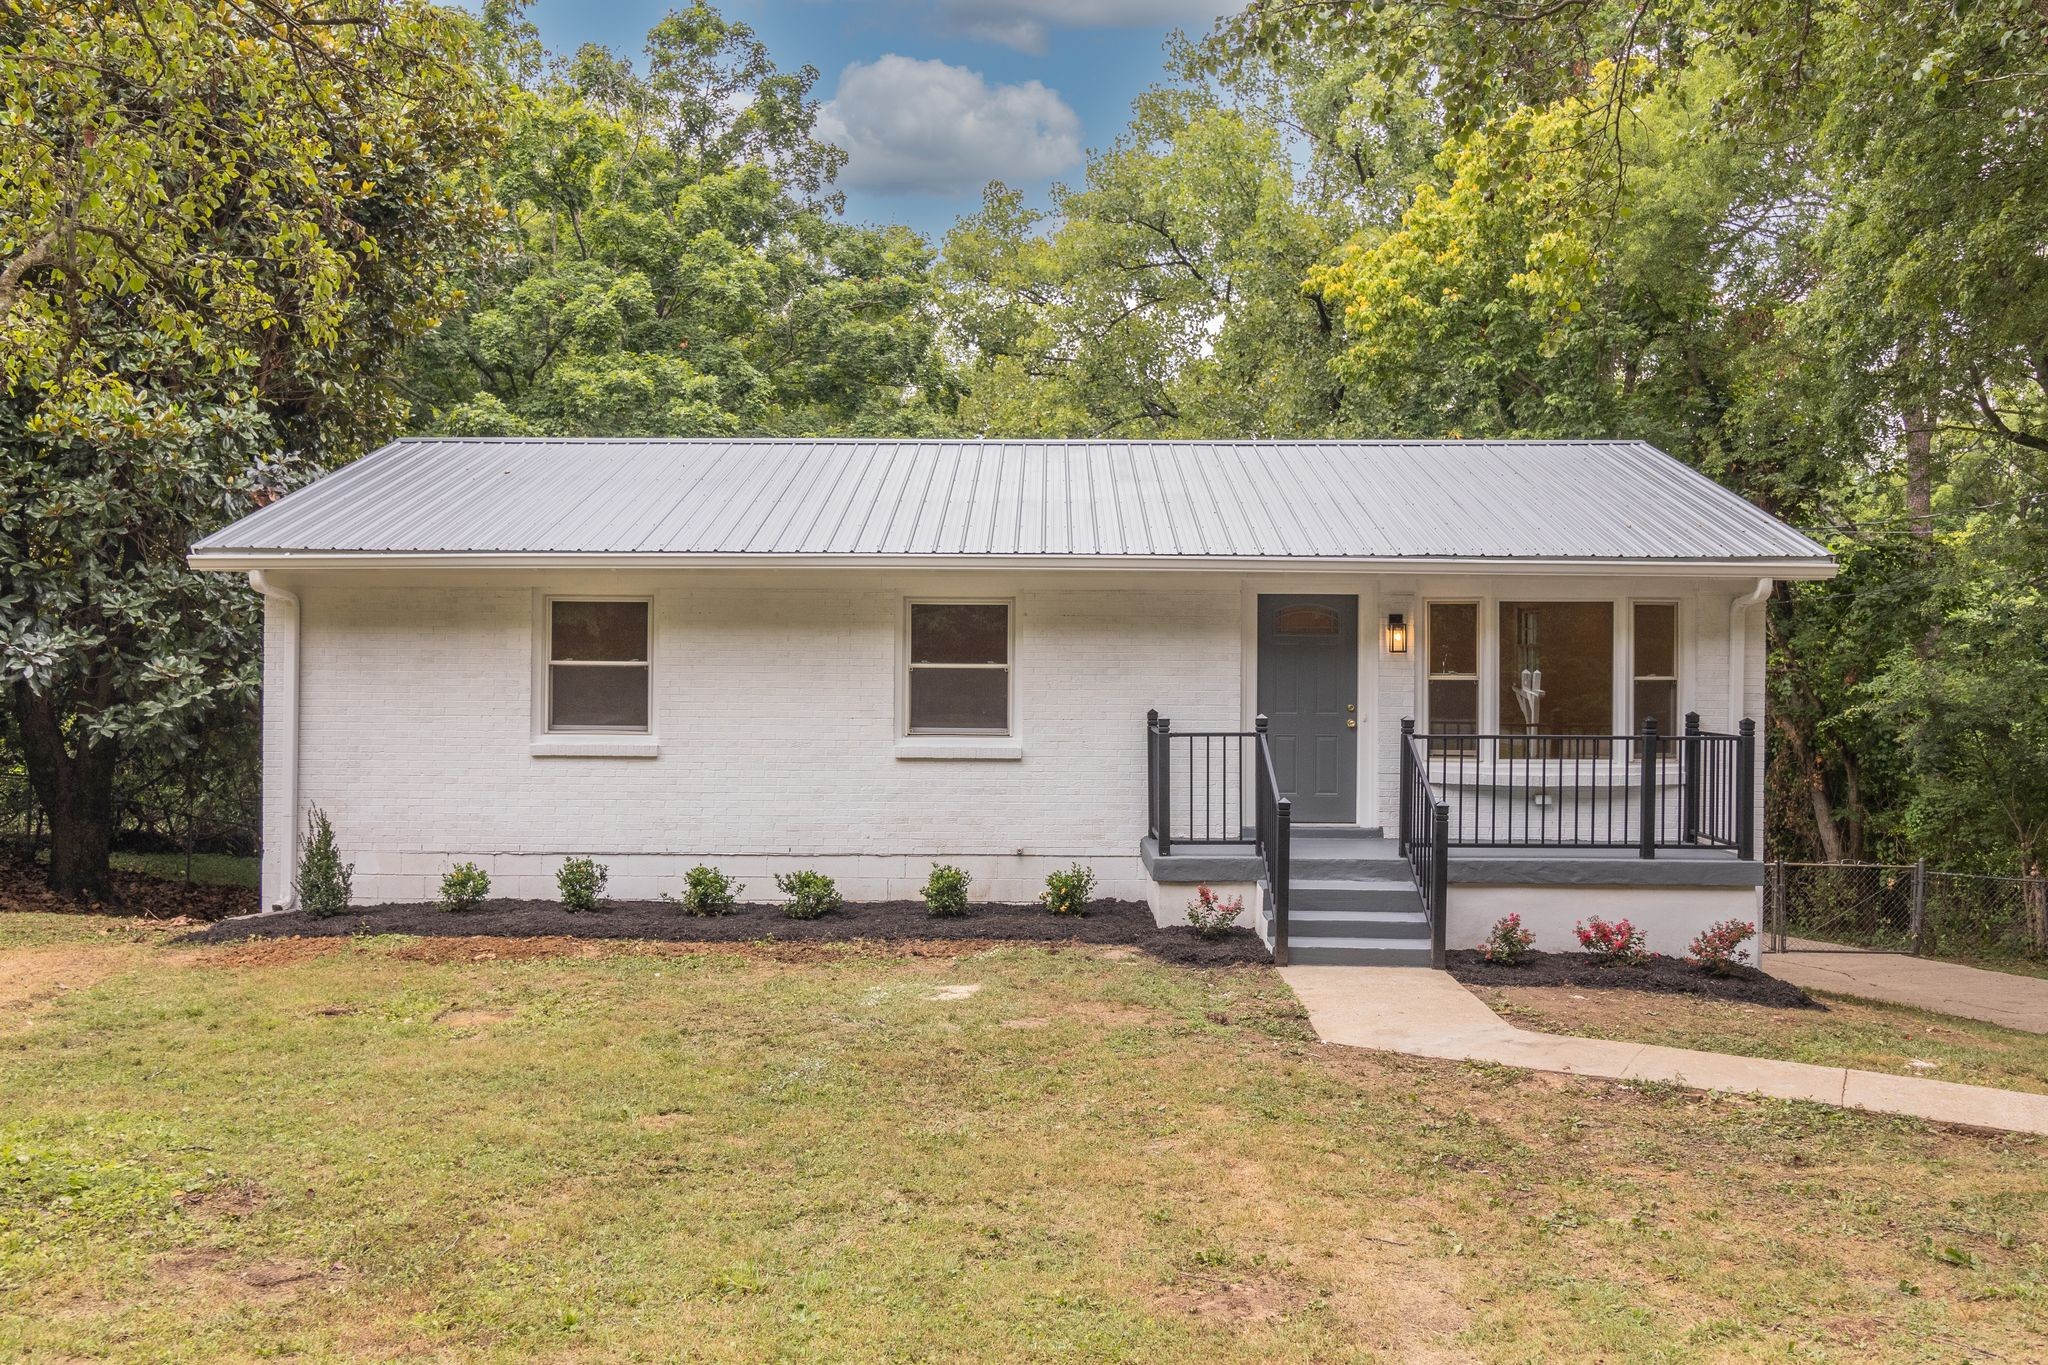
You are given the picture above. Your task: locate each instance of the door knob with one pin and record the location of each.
(1350, 706)
(1351, 725)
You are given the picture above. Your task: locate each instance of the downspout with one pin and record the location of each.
(1738, 647)
(286, 695)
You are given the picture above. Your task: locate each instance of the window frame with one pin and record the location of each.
(906, 729)
(1624, 603)
(1477, 678)
(1676, 677)
(548, 664)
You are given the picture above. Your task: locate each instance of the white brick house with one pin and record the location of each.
(863, 657)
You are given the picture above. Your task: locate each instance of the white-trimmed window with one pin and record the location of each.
(1450, 637)
(597, 665)
(1655, 666)
(958, 659)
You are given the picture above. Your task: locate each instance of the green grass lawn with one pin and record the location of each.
(210, 869)
(1856, 1033)
(366, 1150)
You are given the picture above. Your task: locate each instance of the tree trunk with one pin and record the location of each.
(76, 791)
(1919, 474)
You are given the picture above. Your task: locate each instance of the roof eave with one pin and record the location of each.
(237, 561)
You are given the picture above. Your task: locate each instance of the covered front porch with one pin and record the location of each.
(1658, 828)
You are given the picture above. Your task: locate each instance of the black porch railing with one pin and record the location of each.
(1644, 792)
(1199, 787)
(1425, 839)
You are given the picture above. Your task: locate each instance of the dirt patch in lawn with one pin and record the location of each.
(495, 925)
(1666, 975)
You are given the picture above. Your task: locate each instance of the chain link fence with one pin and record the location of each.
(1903, 908)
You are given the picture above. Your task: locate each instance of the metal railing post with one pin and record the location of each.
(1165, 787)
(1439, 881)
(1689, 792)
(1745, 790)
(1646, 833)
(1918, 923)
(1407, 777)
(1283, 838)
(1152, 773)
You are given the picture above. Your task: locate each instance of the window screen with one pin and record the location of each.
(597, 665)
(959, 668)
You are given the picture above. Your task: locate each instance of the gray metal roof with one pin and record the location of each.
(1607, 501)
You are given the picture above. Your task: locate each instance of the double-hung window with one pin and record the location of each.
(959, 666)
(597, 666)
(1451, 637)
(1656, 666)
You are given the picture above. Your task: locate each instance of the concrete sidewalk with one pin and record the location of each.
(2017, 1002)
(1428, 1014)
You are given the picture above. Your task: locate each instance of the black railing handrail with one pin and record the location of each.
(1425, 842)
(1215, 816)
(1602, 791)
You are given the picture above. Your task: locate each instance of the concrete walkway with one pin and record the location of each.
(1428, 1014)
(2019, 1002)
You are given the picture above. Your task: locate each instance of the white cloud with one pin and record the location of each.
(1026, 24)
(924, 127)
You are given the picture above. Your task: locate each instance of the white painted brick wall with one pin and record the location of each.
(775, 706)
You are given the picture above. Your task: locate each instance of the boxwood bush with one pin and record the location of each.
(707, 891)
(945, 891)
(811, 894)
(464, 886)
(581, 882)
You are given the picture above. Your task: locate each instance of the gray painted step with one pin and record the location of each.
(1341, 893)
(1374, 924)
(1354, 953)
(1318, 832)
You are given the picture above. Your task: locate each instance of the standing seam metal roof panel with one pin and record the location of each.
(1307, 500)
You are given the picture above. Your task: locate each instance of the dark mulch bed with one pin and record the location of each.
(1666, 974)
(1126, 923)
(131, 894)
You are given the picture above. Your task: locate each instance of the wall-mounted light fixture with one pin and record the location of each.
(1397, 633)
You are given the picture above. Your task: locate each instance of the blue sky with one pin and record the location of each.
(932, 98)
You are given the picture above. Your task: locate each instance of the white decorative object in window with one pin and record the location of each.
(597, 666)
(959, 666)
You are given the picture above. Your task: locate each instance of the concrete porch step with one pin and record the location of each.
(1408, 923)
(1316, 951)
(1350, 894)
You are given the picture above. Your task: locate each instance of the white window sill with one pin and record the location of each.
(999, 748)
(596, 746)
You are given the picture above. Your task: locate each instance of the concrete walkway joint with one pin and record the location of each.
(1428, 1014)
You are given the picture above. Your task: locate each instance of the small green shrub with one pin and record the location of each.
(1068, 892)
(581, 882)
(1507, 942)
(811, 894)
(464, 886)
(945, 891)
(707, 891)
(1210, 916)
(322, 885)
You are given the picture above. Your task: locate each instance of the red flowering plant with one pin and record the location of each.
(1507, 942)
(1719, 949)
(1617, 944)
(1210, 915)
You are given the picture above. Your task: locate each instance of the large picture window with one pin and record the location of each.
(1557, 668)
(959, 668)
(597, 666)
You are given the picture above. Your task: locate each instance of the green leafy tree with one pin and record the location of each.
(672, 266)
(222, 224)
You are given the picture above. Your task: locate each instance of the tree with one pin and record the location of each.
(671, 265)
(223, 223)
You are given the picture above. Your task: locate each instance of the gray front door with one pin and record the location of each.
(1308, 692)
